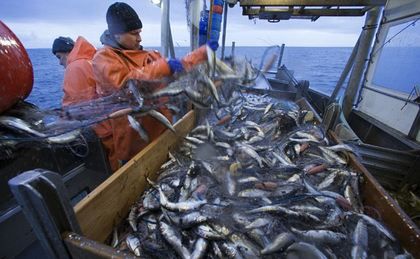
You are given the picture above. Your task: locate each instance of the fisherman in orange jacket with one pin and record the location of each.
(76, 57)
(123, 58)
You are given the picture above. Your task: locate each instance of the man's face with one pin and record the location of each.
(62, 57)
(129, 40)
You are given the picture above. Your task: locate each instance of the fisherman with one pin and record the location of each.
(76, 57)
(123, 58)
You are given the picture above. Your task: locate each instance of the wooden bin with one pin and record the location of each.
(109, 203)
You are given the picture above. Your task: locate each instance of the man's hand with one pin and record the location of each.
(175, 65)
(214, 45)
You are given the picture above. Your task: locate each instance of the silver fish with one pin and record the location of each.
(211, 60)
(225, 70)
(137, 127)
(267, 109)
(283, 159)
(340, 147)
(320, 236)
(352, 199)
(249, 179)
(207, 81)
(16, 123)
(377, 225)
(132, 216)
(332, 155)
(280, 243)
(251, 152)
(247, 248)
(133, 244)
(190, 219)
(135, 92)
(173, 89)
(260, 222)
(174, 239)
(64, 138)
(115, 240)
(194, 140)
(258, 236)
(305, 250)
(216, 250)
(285, 211)
(253, 193)
(179, 206)
(200, 248)
(360, 234)
(230, 250)
(205, 231)
(360, 240)
(160, 117)
(307, 208)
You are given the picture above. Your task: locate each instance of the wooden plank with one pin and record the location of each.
(109, 203)
(81, 247)
(375, 196)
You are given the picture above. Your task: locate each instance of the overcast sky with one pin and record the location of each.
(38, 22)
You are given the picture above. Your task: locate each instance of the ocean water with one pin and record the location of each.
(321, 66)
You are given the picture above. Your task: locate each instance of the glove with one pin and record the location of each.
(175, 65)
(214, 45)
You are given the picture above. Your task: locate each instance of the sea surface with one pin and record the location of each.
(322, 66)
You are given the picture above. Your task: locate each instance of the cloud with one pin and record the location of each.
(38, 22)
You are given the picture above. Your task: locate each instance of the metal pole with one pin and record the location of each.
(233, 49)
(281, 56)
(210, 19)
(224, 28)
(345, 72)
(195, 9)
(171, 42)
(164, 30)
(366, 39)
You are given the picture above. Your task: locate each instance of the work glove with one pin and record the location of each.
(175, 65)
(214, 45)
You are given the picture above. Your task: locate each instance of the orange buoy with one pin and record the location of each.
(16, 74)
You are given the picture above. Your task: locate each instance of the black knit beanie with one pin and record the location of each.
(122, 18)
(62, 44)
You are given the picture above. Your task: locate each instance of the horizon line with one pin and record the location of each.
(264, 46)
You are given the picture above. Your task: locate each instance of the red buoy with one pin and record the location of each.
(16, 74)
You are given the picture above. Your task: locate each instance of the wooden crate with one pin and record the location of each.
(110, 202)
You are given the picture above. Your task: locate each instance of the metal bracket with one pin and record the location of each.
(302, 89)
(46, 205)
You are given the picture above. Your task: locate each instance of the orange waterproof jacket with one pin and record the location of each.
(79, 82)
(112, 67)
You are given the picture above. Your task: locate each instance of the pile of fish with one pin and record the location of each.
(259, 178)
